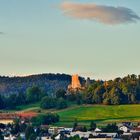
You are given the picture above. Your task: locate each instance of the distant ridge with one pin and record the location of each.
(48, 82)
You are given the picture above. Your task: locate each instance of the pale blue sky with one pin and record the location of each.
(37, 37)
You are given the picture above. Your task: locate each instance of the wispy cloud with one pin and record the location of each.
(101, 13)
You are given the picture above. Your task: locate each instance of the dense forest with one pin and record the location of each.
(50, 89)
(47, 82)
(124, 90)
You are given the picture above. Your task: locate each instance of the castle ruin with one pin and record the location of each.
(75, 83)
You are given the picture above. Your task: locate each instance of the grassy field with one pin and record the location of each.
(99, 113)
(29, 107)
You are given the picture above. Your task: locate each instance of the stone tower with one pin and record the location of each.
(75, 82)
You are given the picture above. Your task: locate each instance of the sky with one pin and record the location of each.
(93, 38)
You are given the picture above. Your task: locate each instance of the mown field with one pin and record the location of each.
(99, 113)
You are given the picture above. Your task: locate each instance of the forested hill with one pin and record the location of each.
(48, 82)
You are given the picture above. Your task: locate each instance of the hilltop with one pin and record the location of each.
(47, 82)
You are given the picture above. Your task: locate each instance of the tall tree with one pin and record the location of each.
(29, 132)
(34, 94)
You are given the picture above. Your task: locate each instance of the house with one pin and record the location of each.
(92, 135)
(59, 129)
(68, 129)
(22, 135)
(125, 128)
(58, 137)
(97, 130)
(80, 134)
(46, 138)
(104, 139)
(10, 137)
(55, 130)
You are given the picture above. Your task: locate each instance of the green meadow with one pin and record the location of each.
(99, 113)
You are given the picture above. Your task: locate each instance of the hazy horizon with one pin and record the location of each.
(81, 75)
(97, 39)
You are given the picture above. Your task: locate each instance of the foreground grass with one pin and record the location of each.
(100, 114)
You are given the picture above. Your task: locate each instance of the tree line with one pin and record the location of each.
(124, 90)
(48, 82)
(118, 91)
(32, 95)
